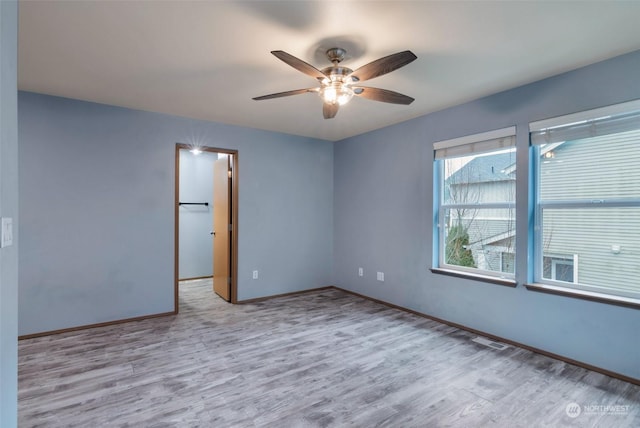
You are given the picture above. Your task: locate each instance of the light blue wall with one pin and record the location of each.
(9, 208)
(196, 221)
(383, 211)
(96, 197)
(97, 193)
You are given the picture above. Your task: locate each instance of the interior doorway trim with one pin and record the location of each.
(234, 220)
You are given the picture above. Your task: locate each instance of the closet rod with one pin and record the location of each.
(206, 204)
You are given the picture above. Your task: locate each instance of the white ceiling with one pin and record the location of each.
(207, 59)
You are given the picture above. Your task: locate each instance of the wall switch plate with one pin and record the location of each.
(381, 276)
(7, 232)
(360, 272)
(255, 274)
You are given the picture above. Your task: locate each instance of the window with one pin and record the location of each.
(508, 262)
(588, 202)
(475, 183)
(560, 268)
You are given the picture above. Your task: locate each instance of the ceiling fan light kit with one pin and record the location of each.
(339, 84)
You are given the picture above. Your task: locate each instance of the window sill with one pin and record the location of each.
(475, 277)
(586, 295)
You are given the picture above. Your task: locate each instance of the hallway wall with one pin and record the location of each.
(196, 242)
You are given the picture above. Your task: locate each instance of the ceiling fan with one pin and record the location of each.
(339, 84)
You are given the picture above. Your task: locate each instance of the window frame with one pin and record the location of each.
(482, 143)
(559, 124)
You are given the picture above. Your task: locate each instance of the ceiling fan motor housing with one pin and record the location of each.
(336, 55)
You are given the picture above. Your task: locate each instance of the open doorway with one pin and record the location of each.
(206, 218)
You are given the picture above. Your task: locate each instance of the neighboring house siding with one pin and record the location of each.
(490, 191)
(587, 162)
(583, 170)
(583, 232)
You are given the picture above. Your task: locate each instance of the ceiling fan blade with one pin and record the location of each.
(329, 111)
(285, 94)
(384, 95)
(300, 65)
(383, 65)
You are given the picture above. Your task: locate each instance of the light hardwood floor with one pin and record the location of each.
(321, 359)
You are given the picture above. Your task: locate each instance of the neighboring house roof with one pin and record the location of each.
(484, 169)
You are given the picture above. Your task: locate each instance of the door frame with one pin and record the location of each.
(234, 220)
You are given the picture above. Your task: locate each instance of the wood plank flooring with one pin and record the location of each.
(321, 359)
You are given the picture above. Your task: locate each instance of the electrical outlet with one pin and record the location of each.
(381, 276)
(360, 272)
(255, 274)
